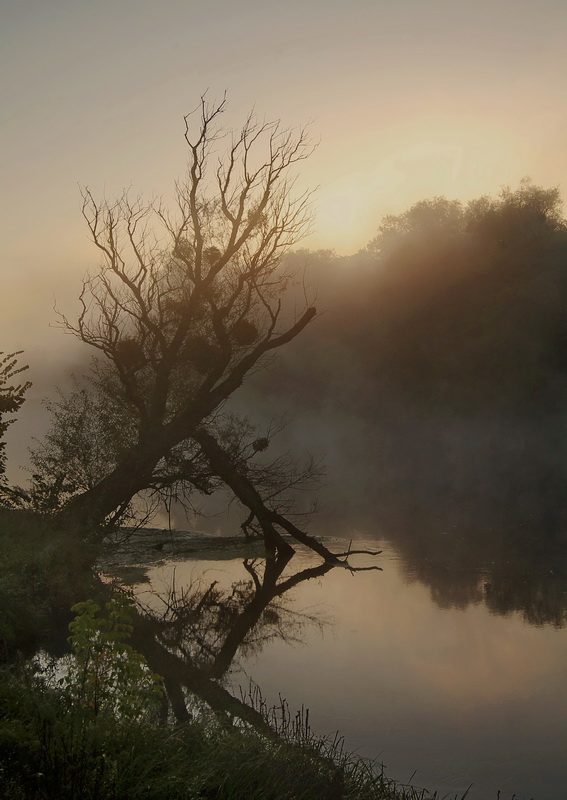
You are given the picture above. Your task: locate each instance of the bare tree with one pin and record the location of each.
(186, 304)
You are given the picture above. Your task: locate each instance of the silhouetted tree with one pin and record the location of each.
(438, 372)
(186, 304)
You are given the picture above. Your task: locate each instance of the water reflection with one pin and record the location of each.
(448, 688)
(462, 695)
(193, 634)
(477, 514)
(538, 594)
(475, 507)
(507, 571)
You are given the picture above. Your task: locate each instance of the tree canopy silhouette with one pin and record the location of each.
(461, 308)
(187, 302)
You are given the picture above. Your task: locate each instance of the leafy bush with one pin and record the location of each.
(94, 734)
(106, 675)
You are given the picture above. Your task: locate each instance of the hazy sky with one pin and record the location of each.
(411, 98)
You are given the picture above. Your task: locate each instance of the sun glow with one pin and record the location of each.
(457, 158)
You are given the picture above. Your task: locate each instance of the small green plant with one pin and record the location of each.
(91, 735)
(106, 675)
(80, 734)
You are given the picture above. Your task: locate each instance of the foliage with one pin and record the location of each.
(425, 221)
(514, 218)
(47, 751)
(90, 430)
(458, 310)
(517, 218)
(42, 574)
(69, 726)
(11, 398)
(105, 674)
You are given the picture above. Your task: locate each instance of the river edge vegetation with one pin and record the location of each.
(177, 330)
(89, 719)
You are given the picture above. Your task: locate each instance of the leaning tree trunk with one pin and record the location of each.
(89, 510)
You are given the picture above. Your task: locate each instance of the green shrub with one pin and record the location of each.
(93, 733)
(106, 675)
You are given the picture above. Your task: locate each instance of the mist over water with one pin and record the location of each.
(429, 391)
(433, 388)
(445, 693)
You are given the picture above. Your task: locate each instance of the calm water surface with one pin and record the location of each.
(449, 687)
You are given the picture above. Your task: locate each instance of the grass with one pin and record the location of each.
(53, 746)
(50, 749)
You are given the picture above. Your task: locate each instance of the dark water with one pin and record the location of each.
(450, 671)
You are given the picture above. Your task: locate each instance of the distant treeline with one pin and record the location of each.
(452, 308)
(435, 382)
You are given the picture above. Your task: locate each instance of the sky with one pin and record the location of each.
(408, 99)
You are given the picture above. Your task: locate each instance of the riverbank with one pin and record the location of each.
(54, 747)
(47, 750)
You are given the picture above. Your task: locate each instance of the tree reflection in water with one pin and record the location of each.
(521, 570)
(194, 640)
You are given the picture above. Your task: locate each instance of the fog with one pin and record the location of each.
(431, 387)
(426, 401)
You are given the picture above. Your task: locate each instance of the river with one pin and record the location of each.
(452, 676)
